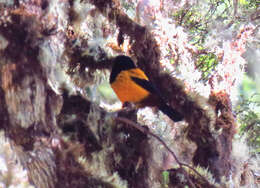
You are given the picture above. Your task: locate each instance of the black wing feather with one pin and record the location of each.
(166, 109)
(146, 84)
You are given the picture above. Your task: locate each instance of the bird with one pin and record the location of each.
(132, 85)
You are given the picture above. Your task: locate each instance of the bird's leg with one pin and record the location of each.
(126, 105)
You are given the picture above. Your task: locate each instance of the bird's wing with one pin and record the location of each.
(146, 84)
(166, 109)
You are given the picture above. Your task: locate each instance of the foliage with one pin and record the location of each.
(209, 24)
(206, 63)
(201, 19)
(248, 114)
(165, 179)
(207, 42)
(250, 125)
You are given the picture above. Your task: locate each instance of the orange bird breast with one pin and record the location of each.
(126, 89)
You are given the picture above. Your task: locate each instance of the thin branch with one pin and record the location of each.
(146, 131)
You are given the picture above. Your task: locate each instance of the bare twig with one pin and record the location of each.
(146, 131)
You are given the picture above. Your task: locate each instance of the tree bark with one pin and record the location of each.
(36, 118)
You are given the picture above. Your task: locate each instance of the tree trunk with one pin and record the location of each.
(37, 113)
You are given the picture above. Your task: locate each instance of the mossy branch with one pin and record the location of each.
(181, 164)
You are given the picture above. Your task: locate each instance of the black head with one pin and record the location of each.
(121, 63)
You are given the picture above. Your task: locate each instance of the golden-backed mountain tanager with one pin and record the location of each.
(131, 85)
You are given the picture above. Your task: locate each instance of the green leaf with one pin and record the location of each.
(165, 179)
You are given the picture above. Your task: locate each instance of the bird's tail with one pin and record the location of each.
(170, 112)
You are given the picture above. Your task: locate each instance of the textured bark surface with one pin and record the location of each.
(100, 152)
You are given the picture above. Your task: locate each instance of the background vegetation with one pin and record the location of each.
(62, 125)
